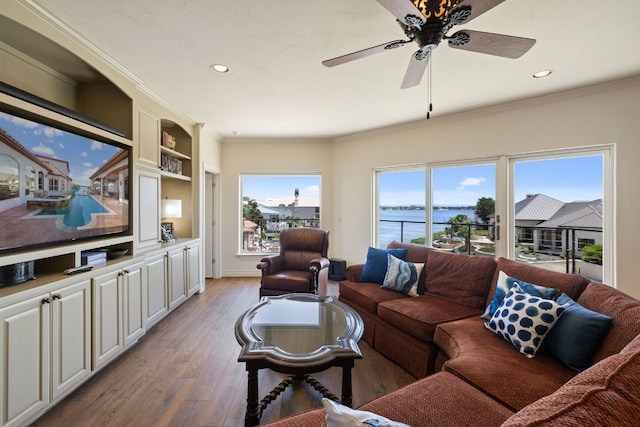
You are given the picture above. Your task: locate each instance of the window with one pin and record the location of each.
(460, 201)
(30, 180)
(53, 184)
(272, 203)
(401, 201)
(9, 177)
(40, 180)
(560, 207)
(463, 208)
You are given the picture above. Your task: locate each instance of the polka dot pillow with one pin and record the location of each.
(524, 319)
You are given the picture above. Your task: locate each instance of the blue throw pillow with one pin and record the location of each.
(505, 283)
(525, 320)
(577, 335)
(375, 267)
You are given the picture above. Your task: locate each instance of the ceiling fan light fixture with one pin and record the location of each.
(542, 73)
(220, 68)
(435, 9)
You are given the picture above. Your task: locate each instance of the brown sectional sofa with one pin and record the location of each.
(467, 375)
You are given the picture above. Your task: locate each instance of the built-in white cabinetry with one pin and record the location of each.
(107, 318)
(45, 342)
(148, 138)
(193, 268)
(157, 293)
(183, 273)
(148, 211)
(135, 306)
(176, 274)
(119, 311)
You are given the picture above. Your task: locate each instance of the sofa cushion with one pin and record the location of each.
(505, 283)
(402, 276)
(525, 320)
(366, 295)
(577, 335)
(465, 279)
(605, 394)
(375, 267)
(570, 284)
(439, 400)
(421, 315)
(338, 415)
(624, 310)
(487, 361)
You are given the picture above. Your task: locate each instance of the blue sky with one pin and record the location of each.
(262, 187)
(566, 179)
(83, 154)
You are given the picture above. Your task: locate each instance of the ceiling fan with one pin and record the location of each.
(427, 23)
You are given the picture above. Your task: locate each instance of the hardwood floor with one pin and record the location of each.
(184, 372)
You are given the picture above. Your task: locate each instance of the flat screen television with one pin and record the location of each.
(58, 183)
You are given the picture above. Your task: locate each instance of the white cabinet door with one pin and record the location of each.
(148, 218)
(24, 367)
(135, 308)
(70, 337)
(148, 139)
(107, 317)
(157, 293)
(193, 268)
(177, 284)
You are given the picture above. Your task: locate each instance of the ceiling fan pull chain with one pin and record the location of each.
(429, 86)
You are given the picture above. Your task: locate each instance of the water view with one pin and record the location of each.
(414, 225)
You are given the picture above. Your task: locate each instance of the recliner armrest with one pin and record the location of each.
(271, 264)
(320, 263)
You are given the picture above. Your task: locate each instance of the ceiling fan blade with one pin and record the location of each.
(401, 9)
(415, 70)
(493, 44)
(478, 7)
(363, 53)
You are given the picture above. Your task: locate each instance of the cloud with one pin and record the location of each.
(471, 182)
(96, 145)
(52, 133)
(311, 190)
(84, 154)
(43, 149)
(87, 164)
(19, 121)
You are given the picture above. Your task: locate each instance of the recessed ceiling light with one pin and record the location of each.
(541, 74)
(219, 68)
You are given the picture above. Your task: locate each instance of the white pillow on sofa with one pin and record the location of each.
(342, 416)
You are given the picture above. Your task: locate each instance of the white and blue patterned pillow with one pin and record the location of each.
(402, 276)
(505, 283)
(338, 415)
(524, 319)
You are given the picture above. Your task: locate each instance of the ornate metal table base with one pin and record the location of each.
(255, 408)
(297, 335)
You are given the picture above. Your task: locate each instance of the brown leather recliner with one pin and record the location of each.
(302, 265)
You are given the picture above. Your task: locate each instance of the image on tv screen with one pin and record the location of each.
(57, 186)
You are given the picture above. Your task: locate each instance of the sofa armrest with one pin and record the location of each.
(353, 272)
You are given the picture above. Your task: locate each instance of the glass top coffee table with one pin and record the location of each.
(297, 334)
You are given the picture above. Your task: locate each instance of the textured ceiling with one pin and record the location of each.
(277, 86)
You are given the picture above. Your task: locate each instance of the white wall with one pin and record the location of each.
(268, 156)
